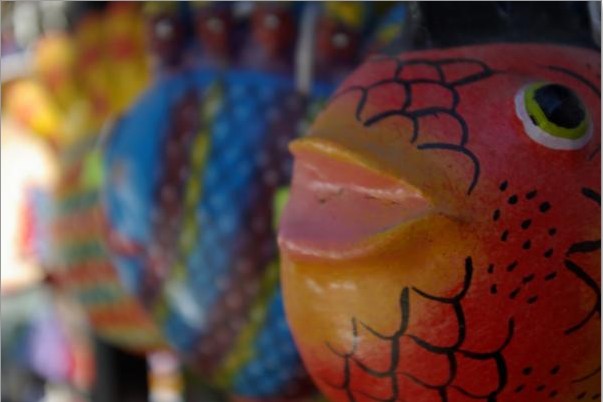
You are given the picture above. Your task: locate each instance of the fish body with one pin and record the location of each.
(442, 238)
(204, 262)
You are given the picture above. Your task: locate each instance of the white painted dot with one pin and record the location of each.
(222, 283)
(270, 177)
(340, 40)
(283, 142)
(237, 91)
(255, 369)
(272, 21)
(273, 114)
(259, 225)
(164, 29)
(244, 267)
(237, 323)
(251, 288)
(215, 25)
(173, 149)
(292, 102)
(183, 174)
(168, 193)
(234, 300)
(263, 158)
(207, 346)
(222, 336)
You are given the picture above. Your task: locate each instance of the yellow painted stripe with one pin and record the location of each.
(242, 351)
(194, 187)
(193, 193)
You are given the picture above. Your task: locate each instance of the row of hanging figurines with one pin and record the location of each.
(174, 172)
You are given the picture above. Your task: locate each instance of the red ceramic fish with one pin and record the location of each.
(442, 239)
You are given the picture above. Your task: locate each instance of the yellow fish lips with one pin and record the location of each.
(342, 205)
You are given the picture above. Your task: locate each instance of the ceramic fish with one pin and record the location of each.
(442, 239)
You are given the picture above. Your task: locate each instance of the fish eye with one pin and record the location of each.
(553, 116)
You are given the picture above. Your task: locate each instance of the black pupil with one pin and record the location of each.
(560, 105)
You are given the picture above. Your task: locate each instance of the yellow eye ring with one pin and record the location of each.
(553, 116)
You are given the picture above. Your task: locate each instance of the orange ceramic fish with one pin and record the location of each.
(442, 239)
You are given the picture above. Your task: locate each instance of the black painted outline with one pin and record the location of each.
(450, 352)
(576, 76)
(346, 385)
(590, 282)
(587, 376)
(581, 247)
(415, 115)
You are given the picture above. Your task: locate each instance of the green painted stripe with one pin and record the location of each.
(160, 309)
(78, 201)
(193, 193)
(243, 351)
(194, 188)
(83, 251)
(101, 294)
(280, 201)
(76, 151)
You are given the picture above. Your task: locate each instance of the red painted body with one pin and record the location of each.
(432, 250)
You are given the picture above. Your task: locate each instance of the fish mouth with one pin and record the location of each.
(343, 205)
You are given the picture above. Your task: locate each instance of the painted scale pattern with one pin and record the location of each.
(538, 281)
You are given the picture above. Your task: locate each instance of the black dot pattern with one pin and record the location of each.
(544, 207)
(550, 276)
(504, 236)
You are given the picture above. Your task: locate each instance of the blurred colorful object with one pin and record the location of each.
(30, 105)
(92, 77)
(92, 67)
(95, 74)
(35, 337)
(28, 167)
(128, 64)
(192, 171)
(112, 67)
(55, 68)
(165, 34)
(219, 289)
(166, 383)
(390, 27)
(82, 267)
(44, 336)
(48, 348)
